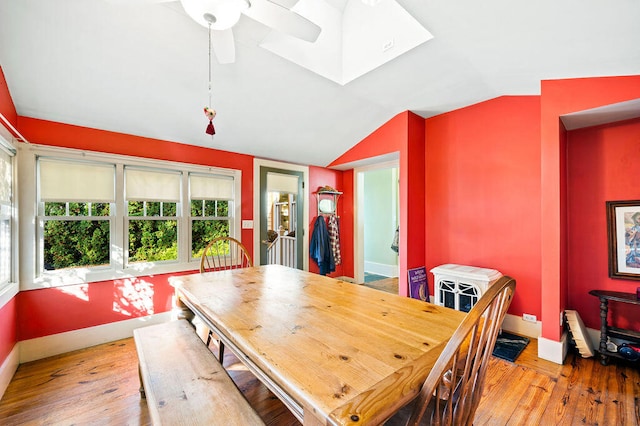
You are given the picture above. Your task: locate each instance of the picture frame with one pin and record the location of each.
(623, 232)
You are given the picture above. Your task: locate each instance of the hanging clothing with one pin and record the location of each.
(320, 247)
(334, 238)
(396, 240)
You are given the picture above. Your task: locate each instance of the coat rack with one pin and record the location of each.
(327, 200)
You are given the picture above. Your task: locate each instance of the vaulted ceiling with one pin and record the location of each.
(141, 67)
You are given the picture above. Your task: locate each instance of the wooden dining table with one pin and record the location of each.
(336, 353)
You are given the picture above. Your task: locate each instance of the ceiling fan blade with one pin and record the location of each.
(282, 19)
(285, 3)
(223, 46)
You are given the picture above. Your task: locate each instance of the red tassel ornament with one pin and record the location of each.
(210, 129)
(210, 113)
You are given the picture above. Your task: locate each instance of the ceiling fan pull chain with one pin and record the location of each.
(208, 111)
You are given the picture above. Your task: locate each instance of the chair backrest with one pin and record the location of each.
(224, 253)
(451, 393)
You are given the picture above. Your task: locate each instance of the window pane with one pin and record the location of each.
(153, 208)
(169, 209)
(210, 208)
(223, 209)
(78, 209)
(153, 240)
(196, 208)
(5, 249)
(100, 209)
(136, 208)
(55, 209)
(75, 243)
(203, 231)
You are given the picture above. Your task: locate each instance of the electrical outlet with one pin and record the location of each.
(529, 317)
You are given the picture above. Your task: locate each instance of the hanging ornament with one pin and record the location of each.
(210, 113)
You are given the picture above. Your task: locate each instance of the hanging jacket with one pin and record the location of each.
(334, 238)
(320, 247)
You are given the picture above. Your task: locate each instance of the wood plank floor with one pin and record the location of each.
(100, 386)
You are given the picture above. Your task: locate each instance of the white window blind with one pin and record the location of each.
(5, 176)
(204, 187)
(277, 182)
(69, 181)
(152, 185)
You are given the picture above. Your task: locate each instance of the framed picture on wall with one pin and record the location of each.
(623, 231)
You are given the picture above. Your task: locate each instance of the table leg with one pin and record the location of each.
(604, 309)
(184, 312)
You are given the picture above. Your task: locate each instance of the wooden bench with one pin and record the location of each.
(184, 383)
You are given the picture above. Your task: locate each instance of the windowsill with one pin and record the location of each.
(8, 292)
(78, 276)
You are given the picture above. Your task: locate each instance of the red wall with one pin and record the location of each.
(390, 137)
(69, 136)
(7, 108)
(403, 134)
(56, 310)
(560, 97)
(8, 315)
(319, 177)
(482, 192)
(8, 335)
(602, 166)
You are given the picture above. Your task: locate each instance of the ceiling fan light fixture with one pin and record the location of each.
(226, 13)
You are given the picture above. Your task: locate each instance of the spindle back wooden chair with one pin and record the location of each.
(451, 393)
(223, 253)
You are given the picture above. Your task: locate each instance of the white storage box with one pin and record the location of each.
(460, 286)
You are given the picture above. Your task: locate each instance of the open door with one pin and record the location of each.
(281, 217)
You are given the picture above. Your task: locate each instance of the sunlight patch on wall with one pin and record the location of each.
(133, 297)
(80, 292)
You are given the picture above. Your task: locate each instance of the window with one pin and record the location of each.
(6, 216)
(75, 202)
(211, 202)
(102, 217)
(152, 198)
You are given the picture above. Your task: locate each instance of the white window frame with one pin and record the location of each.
(31, 268)
(9, 289)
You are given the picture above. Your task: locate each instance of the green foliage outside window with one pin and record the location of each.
(76, 243)
(207, 223)
(78, 234)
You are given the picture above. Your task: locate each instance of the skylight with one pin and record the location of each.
(356, 38)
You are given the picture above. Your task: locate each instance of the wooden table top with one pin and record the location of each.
(347, 354)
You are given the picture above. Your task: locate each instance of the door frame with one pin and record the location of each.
(358, 225)
(304, 199)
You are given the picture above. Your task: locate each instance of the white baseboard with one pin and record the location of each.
(381, 269)
(8, 368)
(517, 325)
(551, 350)
(42, 347)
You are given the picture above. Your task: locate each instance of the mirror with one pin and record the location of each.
(326, 205)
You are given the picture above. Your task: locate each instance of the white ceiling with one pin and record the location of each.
(142, 69)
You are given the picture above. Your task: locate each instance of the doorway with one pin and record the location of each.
(377, 222)
(280, 213)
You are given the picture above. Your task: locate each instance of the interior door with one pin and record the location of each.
(281, 209)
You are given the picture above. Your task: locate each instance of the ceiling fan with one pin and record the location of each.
(222, 15)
